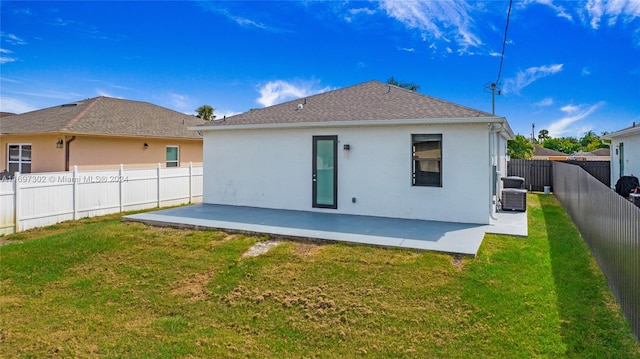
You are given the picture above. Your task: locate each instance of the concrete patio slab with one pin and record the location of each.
(396, 232)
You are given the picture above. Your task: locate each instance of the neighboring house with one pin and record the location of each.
(625, 152)
(541, 153)
(601, 154)
(98, 133)
(371, 149)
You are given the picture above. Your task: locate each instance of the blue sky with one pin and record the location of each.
(569, 66)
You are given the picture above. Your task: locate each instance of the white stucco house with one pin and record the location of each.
(370, 149)
(625, 152)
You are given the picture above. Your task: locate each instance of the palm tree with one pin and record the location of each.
(411, 86)
(205, 112)
(543, 135)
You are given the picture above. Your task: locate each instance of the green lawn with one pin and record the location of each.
(99, 287)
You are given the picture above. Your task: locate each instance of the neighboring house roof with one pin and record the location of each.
(104, 116)
(369, 102)
(539, 151)
(582, 154)
(602, 152)
(629, 131)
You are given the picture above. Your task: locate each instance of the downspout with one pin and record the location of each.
(66, 152)
(493, 144)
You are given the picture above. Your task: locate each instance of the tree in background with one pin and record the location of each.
(567, 145)
(411, 86)
(520, 148)
(543, 135)
(205, 112)
(590, 142)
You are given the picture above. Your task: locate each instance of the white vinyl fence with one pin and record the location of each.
(42, 199)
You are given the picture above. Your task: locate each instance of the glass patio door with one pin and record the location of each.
(325, 172)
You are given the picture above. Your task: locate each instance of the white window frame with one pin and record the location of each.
(20, 161)
(176, 162)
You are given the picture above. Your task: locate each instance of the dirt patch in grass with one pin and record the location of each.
(457, 261)
(305, 249)
(195, 286)
(230, 237)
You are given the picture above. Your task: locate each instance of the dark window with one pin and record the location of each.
(19, 159)
(427, 160)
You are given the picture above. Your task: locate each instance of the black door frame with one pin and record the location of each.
(314, 174)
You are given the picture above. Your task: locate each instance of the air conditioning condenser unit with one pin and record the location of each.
(514, 199)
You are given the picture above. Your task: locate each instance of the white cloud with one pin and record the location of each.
(222, 9)
(279, 91)
(594, 12)
(4, 59)
(13, 105)
(572, 114)
(101, 92)
(407, 49)
(359, 11)
(586, 71)
(438, 20)
(55, 94)
(528, 76)
(9, 80)
(12, 39)
(362, 10)
(548, 101)
(181, 102)
(242, 21)
(24, 11)
(611, 11)
(558, 9)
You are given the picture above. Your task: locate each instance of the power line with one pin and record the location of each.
(504, 42)
(493, 86)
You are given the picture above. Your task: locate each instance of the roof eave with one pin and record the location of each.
(623, 133)
(359, 123)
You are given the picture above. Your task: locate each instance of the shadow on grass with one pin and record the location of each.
(589, 326)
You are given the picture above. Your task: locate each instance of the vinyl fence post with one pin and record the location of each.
(158, 177)
(75, 192)
(120, 184)
(16, 205)
(190, 182)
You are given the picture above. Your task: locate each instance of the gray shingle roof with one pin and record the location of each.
(104, 116)
(371, 100)
(602, 152)
(543, 151)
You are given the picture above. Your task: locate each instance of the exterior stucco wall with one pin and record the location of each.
(631, 157)
(45, 157)
(94, 152)
(110, 152)
(272, 169)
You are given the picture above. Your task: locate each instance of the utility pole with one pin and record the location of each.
(493, 98)
(492, 87)
(533, 131)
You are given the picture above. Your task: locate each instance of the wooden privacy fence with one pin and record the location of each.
(539, 173)
(42, 199)
(610, 225)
